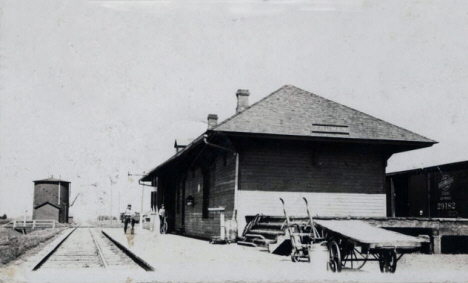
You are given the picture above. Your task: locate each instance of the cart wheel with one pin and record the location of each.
(306, 253)
(392, 262)
(294, 256)
(332, 266)
(335, 257)
(387, 262)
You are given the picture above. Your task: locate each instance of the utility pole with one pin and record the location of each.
(112, 182)
(141, 209)
(118, 210)
(142, 197)
(112, 218)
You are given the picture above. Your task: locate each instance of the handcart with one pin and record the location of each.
(352, 243)
(302, 235)
(313, 230)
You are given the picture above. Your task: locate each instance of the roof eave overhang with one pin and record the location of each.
(51, 181)
(173, 158)
(410, 144)
(45, 203)
(403, 145)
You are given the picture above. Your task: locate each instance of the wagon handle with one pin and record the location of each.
(312, 226)
(285, 213)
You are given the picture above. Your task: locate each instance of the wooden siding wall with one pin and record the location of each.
(322, 204)
(49, 192)
(46, 212)
(336, 180)
(330, 169)
(222, 181)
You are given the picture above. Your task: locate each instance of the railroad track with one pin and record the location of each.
(90, 248)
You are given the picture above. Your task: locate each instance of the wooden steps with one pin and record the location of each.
(269, 232)
(270, 225)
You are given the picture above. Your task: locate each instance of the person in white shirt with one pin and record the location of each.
(129, 216)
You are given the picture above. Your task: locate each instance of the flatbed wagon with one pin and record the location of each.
(352, 243)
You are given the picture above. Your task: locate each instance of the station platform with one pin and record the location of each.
(181, 259)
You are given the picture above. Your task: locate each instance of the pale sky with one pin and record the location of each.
(93, 90)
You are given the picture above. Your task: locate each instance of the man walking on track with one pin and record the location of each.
(129, 217)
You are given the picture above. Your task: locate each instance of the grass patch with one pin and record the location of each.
(14, 244)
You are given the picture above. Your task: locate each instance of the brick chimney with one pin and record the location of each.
(242, 100)
(212, 121)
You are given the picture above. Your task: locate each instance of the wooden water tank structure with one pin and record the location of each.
(51, 200)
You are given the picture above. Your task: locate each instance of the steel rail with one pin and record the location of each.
(100, 253)
(44, 259)
(143, 264)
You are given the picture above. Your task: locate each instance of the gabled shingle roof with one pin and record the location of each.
(295, 112)
(291, 111)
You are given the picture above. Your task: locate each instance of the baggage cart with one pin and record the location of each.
(352, 243)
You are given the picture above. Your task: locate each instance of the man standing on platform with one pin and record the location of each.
(162, 218)
(129, 216)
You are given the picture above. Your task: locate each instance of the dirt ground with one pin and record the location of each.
(181, 259)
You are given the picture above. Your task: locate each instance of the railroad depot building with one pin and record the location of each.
(290, 144)
(51, 200)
